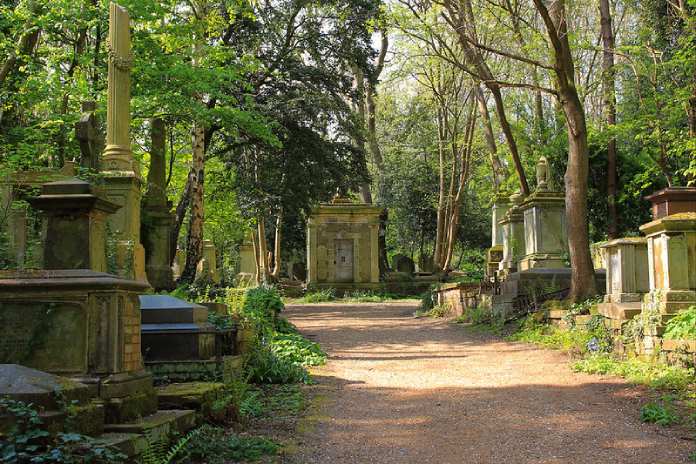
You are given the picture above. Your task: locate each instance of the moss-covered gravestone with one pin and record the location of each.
(512, 225)
(157, 218)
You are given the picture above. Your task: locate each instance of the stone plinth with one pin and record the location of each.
(672, 263)
(80, 324)
(73, 210)
(157, 227)
(545, 237)
(501, 204)
(673, 200)
(343, 245)
(513, 237)
(627, 270)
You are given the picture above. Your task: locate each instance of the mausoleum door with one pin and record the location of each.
(344, 260)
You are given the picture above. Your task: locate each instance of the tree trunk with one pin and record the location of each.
(276, 246)
(179, 215)
(26, 45)
(582, 270)
(608, 84)
(263, 250)
(497, 167)
(194, 246)
(440, 232)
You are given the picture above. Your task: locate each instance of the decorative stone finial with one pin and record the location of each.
(542, 174)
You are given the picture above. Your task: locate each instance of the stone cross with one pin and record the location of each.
(87, 133)
(118, 155)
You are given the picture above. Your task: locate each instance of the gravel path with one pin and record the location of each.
(398, 389)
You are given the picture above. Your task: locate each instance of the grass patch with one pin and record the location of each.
(356, 296)
(661, 412)
(655, 374)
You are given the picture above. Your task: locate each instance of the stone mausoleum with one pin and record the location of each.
(343, 245)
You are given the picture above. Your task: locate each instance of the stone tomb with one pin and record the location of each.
(207, 267)
(175, 330)
(545, 236)
(343, 245)
(513, 237)
(627, 282)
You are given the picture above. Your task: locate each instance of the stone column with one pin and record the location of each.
(495, 253)
(374, 253)
(122, 174)
(311, 253)
(513, 233)
(157, 218)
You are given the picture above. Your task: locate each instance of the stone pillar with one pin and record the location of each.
(627, 270)
(121, 171)
(513, 234)
(374, 253)
(73, 210)
(494, 254)
(157, 218)
(207, 266)
(545, 234)
(311, 253)
(672, 263)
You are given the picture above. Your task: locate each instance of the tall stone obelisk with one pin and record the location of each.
(120, 169)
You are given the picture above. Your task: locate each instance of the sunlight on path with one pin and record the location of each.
(411, 390)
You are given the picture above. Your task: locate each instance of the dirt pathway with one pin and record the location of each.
(406, 390)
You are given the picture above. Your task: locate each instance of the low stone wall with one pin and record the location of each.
(458, 297)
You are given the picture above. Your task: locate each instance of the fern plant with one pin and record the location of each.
(682, 326)
(157, 451)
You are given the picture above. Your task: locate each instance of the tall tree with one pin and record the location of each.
(609, 92)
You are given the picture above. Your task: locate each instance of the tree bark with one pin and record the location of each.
(582, 270)
(179, 216)
(497, 167)
(440, 231)
(263, 250)
(276, 246)
(194, 245)
(609, 87)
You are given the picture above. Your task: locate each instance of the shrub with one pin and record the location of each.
(28, 441)
(320, 296)
(658, 413)
(215, 445)
(682, 326)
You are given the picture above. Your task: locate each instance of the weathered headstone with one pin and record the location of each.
(298, 271)
(545, 236)
(402, 263)
(157, 218)
(89, 137)
(207, 266)
(121, 170)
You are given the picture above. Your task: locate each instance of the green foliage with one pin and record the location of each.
(319, 296)
(475, 316)
(576, 340)
(157, 451)
(661, 413)
(28, 441)
(682, 326)
(654, 374)
(215, 445)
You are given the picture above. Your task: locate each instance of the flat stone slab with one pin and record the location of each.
(158, 426)
(130, 444)
(165, 309)
(190, 395)
(34, 386)
(619, 311)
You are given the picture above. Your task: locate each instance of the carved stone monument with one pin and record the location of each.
(121, 170)
(91, 140)
(342, 245)
(157, 218)
(545, 235)
(207, 266)
(513, 237)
